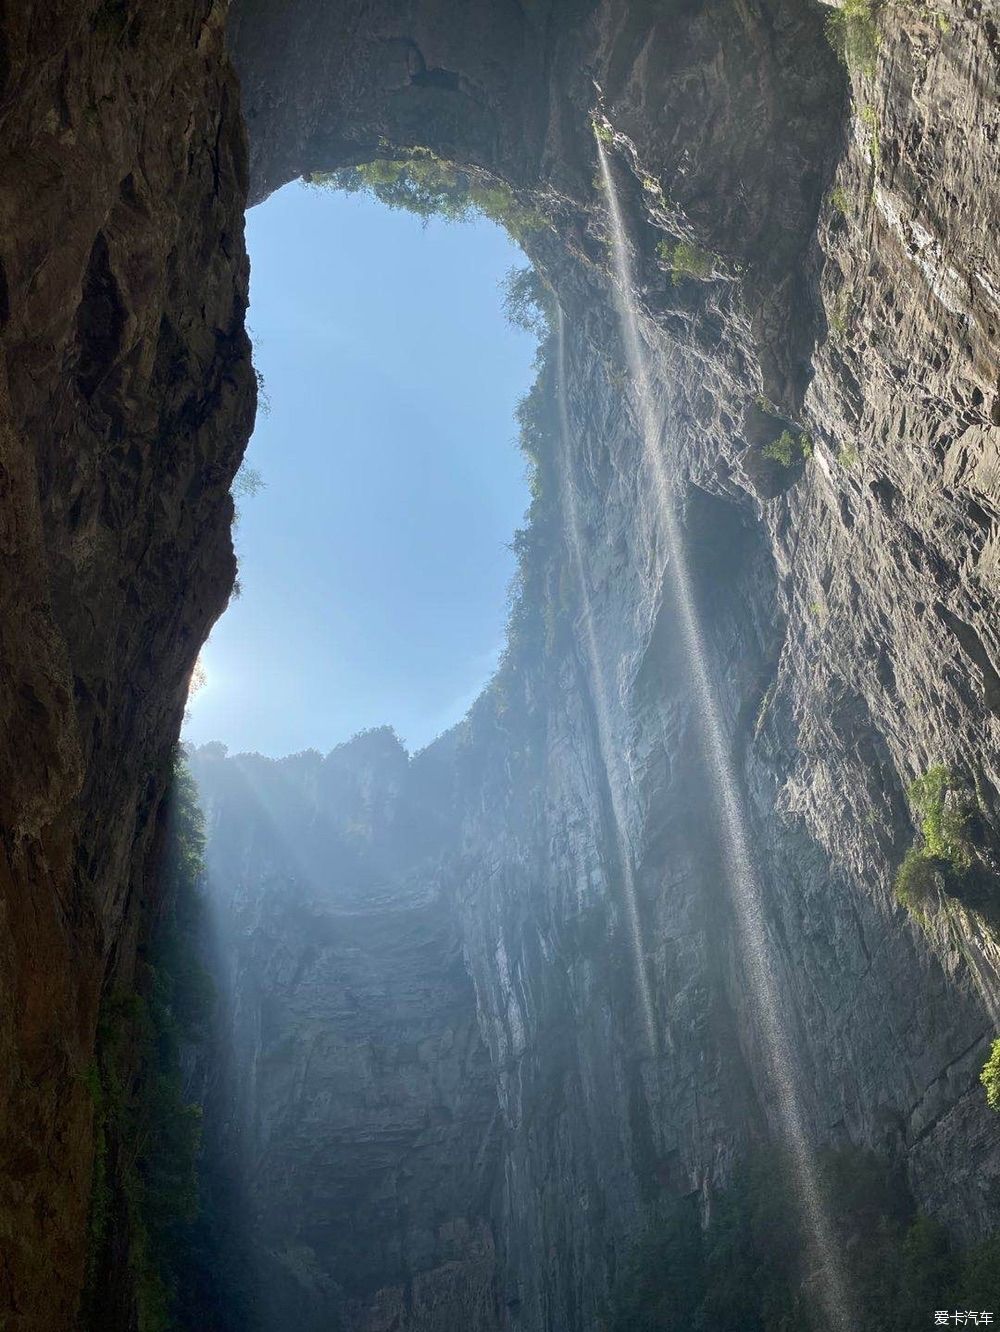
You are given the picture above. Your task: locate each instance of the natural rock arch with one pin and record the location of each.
(734, 116)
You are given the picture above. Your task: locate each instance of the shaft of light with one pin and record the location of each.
(744, 886)
(605, 740)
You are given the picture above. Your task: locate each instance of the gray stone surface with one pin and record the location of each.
(492, 1164)
(848, 601)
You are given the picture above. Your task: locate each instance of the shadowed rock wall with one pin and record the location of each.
(125, 397)
(850, 605)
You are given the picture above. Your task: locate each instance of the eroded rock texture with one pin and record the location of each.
(479, 919)
(366, 1097)
(847, 599)
(125, 397)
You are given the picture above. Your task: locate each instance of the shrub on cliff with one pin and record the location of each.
(917, 880)
(686, 260)
(945, 857)
(944, 815)
(527, 302)
(853, 33)
(788, 449)
(247, 482)
(427, 186)
(990, 1076)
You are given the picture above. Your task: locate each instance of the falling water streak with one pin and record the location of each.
(745, 890)
(604, 737)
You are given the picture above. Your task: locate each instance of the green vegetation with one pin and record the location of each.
(840, 200)
(839, 314)
(247, 481)
(789, 449)
(527, 302)
(931, 15)
(263, 397)
(943, 807)
(603, 131)
(427, 186)
(539, 591)
(942, 824)
(533, 541)
(749, 1270)
(146, 1131)
(686, 260)
(990, 1076)
(916, 880)
(853, 33)
(848, 456)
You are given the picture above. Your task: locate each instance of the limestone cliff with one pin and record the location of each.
(368, 1110)
(845, 290)
(126, 395)
(844, 285)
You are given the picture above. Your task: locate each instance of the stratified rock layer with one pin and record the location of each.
(125, 397)
(847, 597)
(365, 1094)
(848, 603)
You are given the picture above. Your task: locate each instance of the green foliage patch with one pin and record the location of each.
(990, 1076)
(532, 544)
(848, 456)
(852, 31)
(869, 118)
(840, 313)
(247, 481)
(427, 186)
(686, 260)
(527, 302)
(789, 449)
(147, 1133)
(943, 808)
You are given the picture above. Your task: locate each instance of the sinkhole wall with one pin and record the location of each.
(499, 839)
(843, 284)
(833, 281)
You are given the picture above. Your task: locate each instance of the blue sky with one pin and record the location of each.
(373, 564)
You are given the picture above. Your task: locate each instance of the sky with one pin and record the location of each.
(373, 563)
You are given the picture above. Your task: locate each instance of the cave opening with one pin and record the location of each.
(420, 1093)
(377, 505)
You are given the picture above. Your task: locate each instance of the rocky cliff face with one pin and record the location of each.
(845, 284)
(125, 396)
(844, 291)
(365, 1093)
